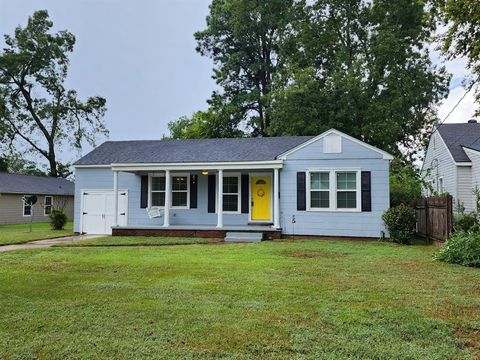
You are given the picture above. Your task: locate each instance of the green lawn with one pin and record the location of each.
(302, 299)
(19, 233)
(139, 241)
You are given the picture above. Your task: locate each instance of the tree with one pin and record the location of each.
(14, 163)
(35, 107)
(405, 184)
(462, 38)
(301, 67)
(243, 37)
(203, 125)
(361, 67)
(3, 164)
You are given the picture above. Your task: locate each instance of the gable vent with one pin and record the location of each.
(332, 144)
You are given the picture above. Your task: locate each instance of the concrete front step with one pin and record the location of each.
(244, 236)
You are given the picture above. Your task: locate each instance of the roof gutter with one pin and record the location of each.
(231, 165)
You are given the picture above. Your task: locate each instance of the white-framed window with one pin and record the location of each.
(157, 191)
(27, 209)
(347, 189)
(320, 190)
(180, 195)
(333, 190)
(47, 205)
(180, 191)
(231, 193)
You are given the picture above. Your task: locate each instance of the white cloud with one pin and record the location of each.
(458, 68)
(463, 112)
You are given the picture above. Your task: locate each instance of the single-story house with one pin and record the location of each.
(452, 162)
(329, 185)
(50, 192)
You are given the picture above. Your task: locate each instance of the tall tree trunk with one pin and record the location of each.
(53, 172)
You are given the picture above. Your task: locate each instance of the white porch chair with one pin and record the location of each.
(154, 213)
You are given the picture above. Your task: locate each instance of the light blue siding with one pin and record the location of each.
(334, 223)
(86, 178)
(350, 150)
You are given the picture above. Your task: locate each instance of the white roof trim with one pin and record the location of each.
(239, 165)
(464, 163)
(385, 155)
(446, 147)
(457, 163)
(91, 166)
(466, 148)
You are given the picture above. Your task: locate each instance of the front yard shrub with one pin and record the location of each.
(400, 222)
(405, 184)
(462, 248)
(465, 222)
(58, 219)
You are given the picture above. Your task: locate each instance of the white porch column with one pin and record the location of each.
(115, 198)
(220, 199)
(168, 195)
(276, 200)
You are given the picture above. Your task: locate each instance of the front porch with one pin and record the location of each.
(201, 200)
(203, 231)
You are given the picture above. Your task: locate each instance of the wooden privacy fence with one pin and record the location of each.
(435, 217)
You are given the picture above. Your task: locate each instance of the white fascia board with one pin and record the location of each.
(467, 149)
(456, 163)
(274, 164)
(446, 148)
(91, 166)
(385, 155)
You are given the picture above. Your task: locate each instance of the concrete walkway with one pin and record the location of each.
(38, 244)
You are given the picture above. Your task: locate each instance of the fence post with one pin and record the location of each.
(449, 227)
(427, 230)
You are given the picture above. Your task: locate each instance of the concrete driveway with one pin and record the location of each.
(38, 244)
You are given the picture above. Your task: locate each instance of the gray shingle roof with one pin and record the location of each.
(458, 135)
(28, 184)
(191, 151)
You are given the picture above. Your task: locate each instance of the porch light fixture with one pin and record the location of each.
(205, 172)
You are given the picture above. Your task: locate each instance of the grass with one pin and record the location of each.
(19, 233)
(274, 300)
(138, 241)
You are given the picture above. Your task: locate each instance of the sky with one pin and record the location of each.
(140, 55)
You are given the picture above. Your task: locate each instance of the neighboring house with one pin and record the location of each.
(452, 162)
(50, 192)
(331, 185)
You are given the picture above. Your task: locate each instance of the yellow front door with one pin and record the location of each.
(261, 198)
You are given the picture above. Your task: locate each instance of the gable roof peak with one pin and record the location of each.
(456, 136)
(385, 154)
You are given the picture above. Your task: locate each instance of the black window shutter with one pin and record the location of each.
(301, 191)
(245, 193)
(144, 192)
(193, 191)
(366, 191)
(211, 193)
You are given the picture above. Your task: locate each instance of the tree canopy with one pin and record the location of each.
(301, 67)
(36, 110)
(462, 38)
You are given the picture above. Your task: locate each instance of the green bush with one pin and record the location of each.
(405, 184)
(465, 222)
(58, 219)
(400, 222)
(461, 248)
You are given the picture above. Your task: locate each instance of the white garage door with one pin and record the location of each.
(98, 211)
